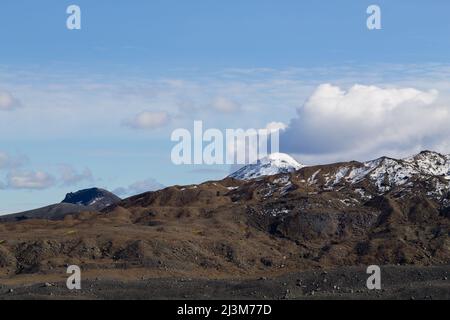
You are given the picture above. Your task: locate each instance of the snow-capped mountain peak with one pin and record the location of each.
(431, 163)
(273, 164)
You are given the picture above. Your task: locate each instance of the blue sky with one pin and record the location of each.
(72, 95)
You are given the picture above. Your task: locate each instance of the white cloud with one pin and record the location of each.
(71, 177)
(8, 102)
(149, 120)
(30, 180)
(367, 120)
(139, 187)
(225, 105)
(18, 178)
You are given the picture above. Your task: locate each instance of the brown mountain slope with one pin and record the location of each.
(233, 228)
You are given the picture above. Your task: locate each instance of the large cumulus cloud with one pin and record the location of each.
(366, 120)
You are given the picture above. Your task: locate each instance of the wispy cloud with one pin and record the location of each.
(29, 180)
(18, 178)
(148, 120)
(19, 175)
(69, 176)
(225, 105)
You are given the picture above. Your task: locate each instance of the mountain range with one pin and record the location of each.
(271, 217)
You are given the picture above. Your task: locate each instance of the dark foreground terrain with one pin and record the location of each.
(406, 283)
